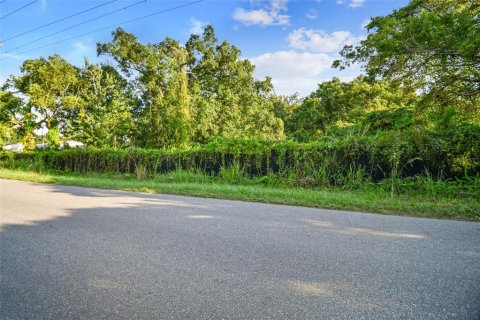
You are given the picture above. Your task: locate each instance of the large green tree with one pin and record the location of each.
(105, 119)
(159, 77)
(13, 124)
(226, 99)
(337, 103)
(190, 93)
(431, 45)
(45, 92)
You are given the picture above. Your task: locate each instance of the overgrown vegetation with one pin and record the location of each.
(409, 127)
(452, 154)
(415, 203)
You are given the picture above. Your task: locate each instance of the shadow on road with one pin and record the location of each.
(76, 253)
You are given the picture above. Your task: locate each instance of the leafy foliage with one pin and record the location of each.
(430, 45)
(226, 99)
(337, 103)
(51, 89)
(159, 81)
(346, 162)
(168, 106)
(202, 80)
(105, 120)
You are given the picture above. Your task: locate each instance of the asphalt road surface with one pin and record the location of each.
(79, 253)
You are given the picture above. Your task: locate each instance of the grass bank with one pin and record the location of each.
(372, 199)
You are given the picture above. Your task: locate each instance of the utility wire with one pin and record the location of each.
(2, 1)
(76, 25)
(15, 11)
(56, 21)
(113, 25)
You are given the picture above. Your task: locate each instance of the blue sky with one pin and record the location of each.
(293, 41)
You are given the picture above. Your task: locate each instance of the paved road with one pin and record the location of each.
(78, 253)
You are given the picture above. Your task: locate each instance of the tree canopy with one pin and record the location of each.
(422, 70)
(158, 95)
(194, 92)
(51, 88)
(433, 46)
(337, 104)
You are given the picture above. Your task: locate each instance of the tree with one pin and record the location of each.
(337, 103)
(105, 119)
(10, 121)
(50, 88)
(226, 99)
(284, 106)
(194, 92)
(431, 45)
(158, 76)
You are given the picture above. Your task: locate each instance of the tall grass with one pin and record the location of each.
(308, 176)
(369, 198)
(233, 173)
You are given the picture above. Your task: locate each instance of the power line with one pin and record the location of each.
(56, 21)
(2, 1)
(15, 11)
(76, 25)
(113, 25)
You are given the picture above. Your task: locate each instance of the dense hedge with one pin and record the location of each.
(449, 154)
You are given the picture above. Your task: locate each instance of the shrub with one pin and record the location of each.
(346, 161)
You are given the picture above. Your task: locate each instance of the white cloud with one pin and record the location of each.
(292, 63)
(352, 3)
(300, 71)
(320, 41)
(293, 72)
(356, 3)
(197, 26)
(312, 14)
(266, 13)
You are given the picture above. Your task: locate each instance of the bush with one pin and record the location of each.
(389, 119)
(346, 161)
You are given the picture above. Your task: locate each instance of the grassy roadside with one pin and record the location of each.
(357, 200)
